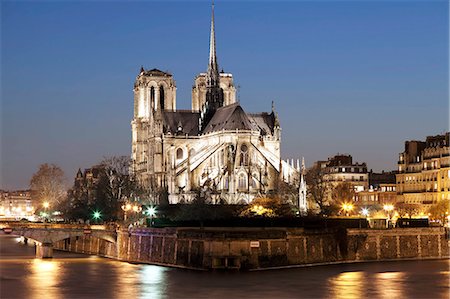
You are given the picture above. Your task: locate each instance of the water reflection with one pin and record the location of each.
(127, 284)
(44, 279)
(390, 284)
(152, 280)
(78, 276)
(348, 285)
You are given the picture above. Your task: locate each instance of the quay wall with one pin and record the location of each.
(261, 248)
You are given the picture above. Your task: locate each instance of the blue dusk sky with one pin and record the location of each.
(357, 77)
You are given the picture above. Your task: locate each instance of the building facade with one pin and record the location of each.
(16, 204)
(215, 147)
(340, 168)
(424, 171)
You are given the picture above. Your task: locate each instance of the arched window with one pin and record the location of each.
(242, 183)
(179, 153)
(161, 97)
(152, 96)
(244, 155)
(254, 182)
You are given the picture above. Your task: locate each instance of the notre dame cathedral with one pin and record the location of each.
(215, 147)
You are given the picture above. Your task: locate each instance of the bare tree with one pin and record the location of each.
(316, 188)
(343, 193)
(48, 184)
(120, 183)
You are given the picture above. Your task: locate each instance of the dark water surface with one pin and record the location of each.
(70, 275)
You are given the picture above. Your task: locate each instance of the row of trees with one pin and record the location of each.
(112, 185)
(104, 192)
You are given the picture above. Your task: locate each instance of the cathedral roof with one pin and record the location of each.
(155, 72)
(181, 122)
(264, 121)
(228, 118)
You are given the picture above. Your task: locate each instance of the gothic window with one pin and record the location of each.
(161, 97)
(244, 155)
(242, 183)
(254, 182)
(225, 183)
(152, 96)
(179, 153)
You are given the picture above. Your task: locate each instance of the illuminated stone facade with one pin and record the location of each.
(215, 148)
(424, 171)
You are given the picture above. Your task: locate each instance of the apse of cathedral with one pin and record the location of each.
(216, 147)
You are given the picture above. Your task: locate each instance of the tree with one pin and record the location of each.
(109, 185)
(407, 210)
(439, 210)
(119, 181)
(287, 193)
(48, 185)
(343, 194)
(316, 188)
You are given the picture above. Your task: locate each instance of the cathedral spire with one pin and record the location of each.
(213, 68)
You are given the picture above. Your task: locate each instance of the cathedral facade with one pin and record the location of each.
(216, 148)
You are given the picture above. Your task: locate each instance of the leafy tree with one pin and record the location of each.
(48, 185)
(407, 210)
(439, 210)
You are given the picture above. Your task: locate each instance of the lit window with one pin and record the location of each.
(242, 184)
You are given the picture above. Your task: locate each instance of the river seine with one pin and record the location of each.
(70, 275)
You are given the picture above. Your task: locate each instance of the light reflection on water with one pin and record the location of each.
(44, 278)
(390, 284)
(152, 281)
(79, 276)
(348, 285)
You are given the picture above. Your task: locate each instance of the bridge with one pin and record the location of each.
(45, 234)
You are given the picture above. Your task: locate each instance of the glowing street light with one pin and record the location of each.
(128, 207)
(388, 208)
(365, 212)
(151, 211)
(347, 207)
(46, 204)
(96, 215)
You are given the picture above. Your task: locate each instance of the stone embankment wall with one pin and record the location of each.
(251, 248)
(88, 245)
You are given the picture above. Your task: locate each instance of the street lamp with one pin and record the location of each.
(388, 208)
(96, 215)
(151, 211)
(347, 207)
(128, 207)
(365, 212)
(46, 214)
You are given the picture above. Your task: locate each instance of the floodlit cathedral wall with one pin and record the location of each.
(215, 149)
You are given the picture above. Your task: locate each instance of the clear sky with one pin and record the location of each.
(357, 77)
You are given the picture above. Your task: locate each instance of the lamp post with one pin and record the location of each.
(151, 211)
(388, 208)
(347, 207)
(45, 214)
(129, 207)
(96, 215)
